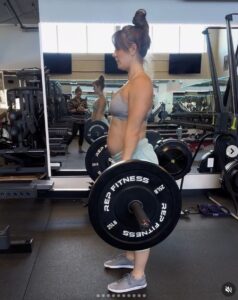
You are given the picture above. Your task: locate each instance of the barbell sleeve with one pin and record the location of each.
(136, 208)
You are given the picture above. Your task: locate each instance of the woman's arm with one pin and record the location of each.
(71, 106)
(139, 104)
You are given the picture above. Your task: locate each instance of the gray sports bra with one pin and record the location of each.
(119, 108)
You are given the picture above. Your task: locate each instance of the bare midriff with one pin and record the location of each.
(116, 134)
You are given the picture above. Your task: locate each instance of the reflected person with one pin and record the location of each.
(78, 109)
(99, 106)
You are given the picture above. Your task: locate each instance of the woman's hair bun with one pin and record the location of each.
(100, 82)
(139, 19)
(101, 78)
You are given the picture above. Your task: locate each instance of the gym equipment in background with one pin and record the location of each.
(174, 156)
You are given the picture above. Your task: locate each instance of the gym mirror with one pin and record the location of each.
(22, 130)
(68, 70)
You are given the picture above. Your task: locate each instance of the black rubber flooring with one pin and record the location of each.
(193, 263)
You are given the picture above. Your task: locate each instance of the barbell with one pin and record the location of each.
(173, 155)
(134, 205)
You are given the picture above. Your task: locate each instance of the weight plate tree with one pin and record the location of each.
(97, 158)
(174, 156)
(94, 130)
(134, 205)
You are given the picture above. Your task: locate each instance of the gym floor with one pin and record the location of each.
(73, 159)
(67, 258)
(66, 263)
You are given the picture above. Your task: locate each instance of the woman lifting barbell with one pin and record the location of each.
(129, 109)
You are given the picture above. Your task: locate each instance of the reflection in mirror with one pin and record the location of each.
(22, 124)
(179, 99)
(73, 108)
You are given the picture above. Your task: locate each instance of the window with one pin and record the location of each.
(165, 38)
(175, 38)
(192, 39)
(49, 37)
(72, 38)
(100, 38)
(97, 38)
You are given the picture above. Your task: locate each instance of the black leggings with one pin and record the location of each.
(76, 127)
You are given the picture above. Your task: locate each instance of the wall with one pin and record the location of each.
(90, 66)
(18, 49)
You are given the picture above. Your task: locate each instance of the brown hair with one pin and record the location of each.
(137, 34)
(100, 82)
(78, 88)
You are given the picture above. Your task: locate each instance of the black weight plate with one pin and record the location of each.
(203, 165)
(222, 141)
(94, 130)
(97, 158)
(153, 137)
(87, 122)
(174, 156)
(231, 170)
(117, 187)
